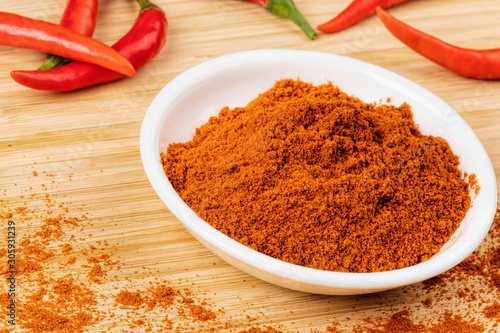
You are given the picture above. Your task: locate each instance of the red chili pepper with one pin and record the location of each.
(287, 9)
(79, 16)
(478, 64)
(143, 42)
(24, 32)
(356, 12)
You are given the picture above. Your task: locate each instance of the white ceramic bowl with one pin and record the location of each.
(234, 79)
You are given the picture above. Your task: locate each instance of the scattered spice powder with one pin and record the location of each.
(402, 321)
(261, 330)
(317, 178)
(129, 298)
(399, 322)
(492, 311)
(455, 323)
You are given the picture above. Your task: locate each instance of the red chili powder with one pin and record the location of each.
(260, 330)
(315, 177)
(492, 311)
(399, 322)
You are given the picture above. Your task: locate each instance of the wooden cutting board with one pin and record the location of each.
(81, 151)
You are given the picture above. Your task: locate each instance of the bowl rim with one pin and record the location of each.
(373, 280)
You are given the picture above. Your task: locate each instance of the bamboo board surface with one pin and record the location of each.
(83, 147)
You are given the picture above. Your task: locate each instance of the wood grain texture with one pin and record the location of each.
(89, 139)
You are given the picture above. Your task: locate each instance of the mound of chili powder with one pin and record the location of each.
(317, 178)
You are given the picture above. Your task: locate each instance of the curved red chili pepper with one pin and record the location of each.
(287, 9)
(357, 11)
(79, 16)
(143, 42)
(24, 32)
(478, 64)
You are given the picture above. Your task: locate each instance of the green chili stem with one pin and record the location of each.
(53, 61)
(287, 9)
(146, 4)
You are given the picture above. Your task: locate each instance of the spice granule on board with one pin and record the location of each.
(317, 178)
